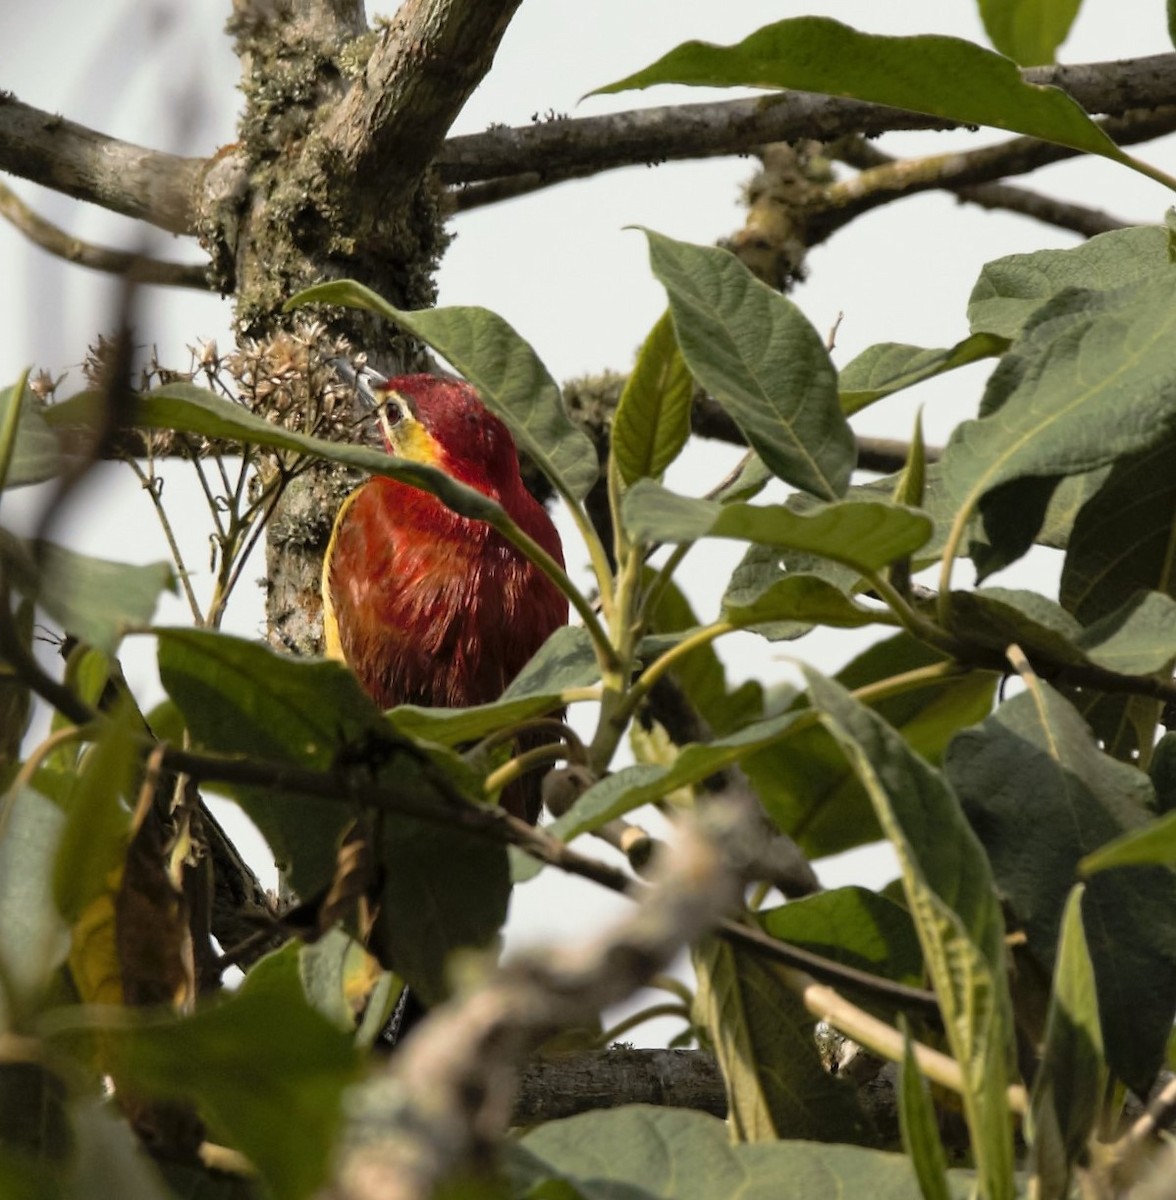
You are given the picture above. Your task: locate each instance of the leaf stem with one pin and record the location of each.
(518, 766)
(652, 1013)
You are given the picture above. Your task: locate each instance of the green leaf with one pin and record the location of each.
(751, 479)
(1134, 640)
(96, 600)
(443, 890)
(940, 76)
(16, 707)
(755, 352)
(190, 409)
(1153, 844)
(1071, 1082)
(29, 452)
(763, 1039)
(1036, 745)
(854, 926)
(1011, 289)
(807, 599)
(1028, 31)
(1121, 542)
(804, 781)
(33, 938)
(508, 374)
(266, 1071)
(97, 828)
(865, 535)
(1089, 383)
(652, 419)
(638, 1152)
(890, 367)
(566, 661)
(239, 697)
(630, 787)
(950, 894)
(920, 1126)
(1172, 21)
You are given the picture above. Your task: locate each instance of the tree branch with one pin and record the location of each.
(429, 59)
(592, 144)
(57, 241)
(147, 184)
(885, 179)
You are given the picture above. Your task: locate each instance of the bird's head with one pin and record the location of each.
(441, 422)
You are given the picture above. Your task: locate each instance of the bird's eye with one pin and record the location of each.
(393, 412)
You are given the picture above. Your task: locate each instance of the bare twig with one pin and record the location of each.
(56, 241)
(147, 184)
(885, 179)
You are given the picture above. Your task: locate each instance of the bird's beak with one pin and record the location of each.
(365, 381)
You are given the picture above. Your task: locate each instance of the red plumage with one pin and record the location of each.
(426, 606)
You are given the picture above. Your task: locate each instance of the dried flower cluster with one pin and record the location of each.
(291, 380)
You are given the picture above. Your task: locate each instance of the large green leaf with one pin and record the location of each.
(940, 76)
(1122, 541)
(33, 938)
(919, 1124)
(1089, 383)
(950, 894)
(1136, 639)
(443, 890)
(866, 535)
(755, 352)
(566, 661)
(96, 600)
(98, 824)
(1036, 746)
(1011, 289)
(512, 381)
(239, 697)
(638, 1152)
(29, 452)
(763, 1039)
(1071, 1082)
(190, 409)
(652, 420)
(890, 367)
(266, 1071)
(803, 599)
(854, 926)
(806, 785)
(1028, 31)
(440, 887)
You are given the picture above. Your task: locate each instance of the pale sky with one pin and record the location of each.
(559, 265)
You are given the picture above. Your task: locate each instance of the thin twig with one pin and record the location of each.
(57, 241)
(153, 486)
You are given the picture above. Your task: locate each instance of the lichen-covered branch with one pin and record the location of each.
(429, 58)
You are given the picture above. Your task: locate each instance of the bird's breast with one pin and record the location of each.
(426, 606)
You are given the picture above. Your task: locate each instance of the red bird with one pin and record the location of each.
(426, 606)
